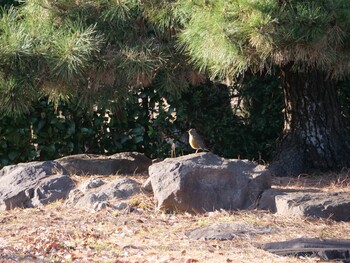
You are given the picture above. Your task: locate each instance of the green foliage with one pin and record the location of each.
(16, 96)
(146, 122)
(71, 130)
(8, 3)
(52, 131)
(228, 37)
(240, 121)
(59, 58)
(96, 51)
(40, 56)
(15, 141)
(149, 121)
(262, 108)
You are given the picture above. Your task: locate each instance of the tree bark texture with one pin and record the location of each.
(314, 136)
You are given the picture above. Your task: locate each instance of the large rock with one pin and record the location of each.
(324, 205)
(33, 184)
(97, 194)
(206, 182)
(314, 204)
(119, 163)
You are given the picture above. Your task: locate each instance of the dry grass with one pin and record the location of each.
(56, 233)
(327, 182)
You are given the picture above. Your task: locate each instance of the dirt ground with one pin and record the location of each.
(140, 233)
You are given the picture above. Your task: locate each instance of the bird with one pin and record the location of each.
(195, 140)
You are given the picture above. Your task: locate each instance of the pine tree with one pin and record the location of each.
(96, 51)
(307, 40)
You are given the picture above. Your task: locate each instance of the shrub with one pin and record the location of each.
(243, 121)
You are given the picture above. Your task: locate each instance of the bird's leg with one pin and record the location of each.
(173, 152)
(197, 150)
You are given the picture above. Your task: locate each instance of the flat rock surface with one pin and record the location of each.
(229, 231)
(307, 203)
(327, 249)
(324, 205)
(119, 163)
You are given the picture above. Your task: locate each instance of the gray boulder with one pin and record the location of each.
(324, 205)
(205, 182)
(33, 184)
(310, 203)
(119, 163)
(97, 194)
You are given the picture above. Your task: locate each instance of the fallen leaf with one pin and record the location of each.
(191, 260)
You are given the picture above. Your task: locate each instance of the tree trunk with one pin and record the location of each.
(314, 136)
